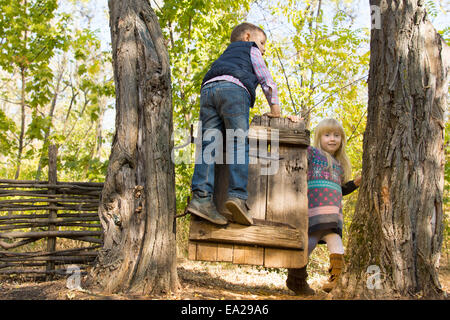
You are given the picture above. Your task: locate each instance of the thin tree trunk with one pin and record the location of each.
(50, 116)
(137, 208)
(396, 233)
(96, 147)
(307, 115)
(99, 133)
(22, 107)
(22, 123)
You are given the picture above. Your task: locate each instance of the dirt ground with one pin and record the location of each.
(199, 281)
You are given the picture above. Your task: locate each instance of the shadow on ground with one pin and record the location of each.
(199, 281)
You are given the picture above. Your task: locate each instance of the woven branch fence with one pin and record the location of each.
(45, 211)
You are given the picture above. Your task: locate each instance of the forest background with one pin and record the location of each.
(57, 84)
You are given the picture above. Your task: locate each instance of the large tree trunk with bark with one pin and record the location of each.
(137, 208)
(397, 230)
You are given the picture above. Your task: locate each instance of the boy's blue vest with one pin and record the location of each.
(235, 61)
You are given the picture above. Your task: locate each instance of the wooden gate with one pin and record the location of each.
(277, 189)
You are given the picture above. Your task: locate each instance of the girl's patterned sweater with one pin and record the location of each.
(325, 193)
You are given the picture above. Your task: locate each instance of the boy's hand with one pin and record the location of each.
(294, 118)
(357, 181)
(275, 111)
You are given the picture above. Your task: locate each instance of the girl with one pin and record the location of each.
(328, 169)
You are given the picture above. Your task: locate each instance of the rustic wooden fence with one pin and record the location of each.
(35, 214)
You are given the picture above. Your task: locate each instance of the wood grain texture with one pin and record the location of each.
(287, 190)
(284, 258)
(257, 183)
(248, 255)
(267, 236)
(291, 136)
(138, 203)
(225, 252)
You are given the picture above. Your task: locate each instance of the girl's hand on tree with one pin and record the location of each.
(357, 181)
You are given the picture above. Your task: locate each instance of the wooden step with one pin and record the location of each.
(256, 235)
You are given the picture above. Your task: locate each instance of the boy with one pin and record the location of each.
(227, 94)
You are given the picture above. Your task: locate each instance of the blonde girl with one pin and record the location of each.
(329, 172)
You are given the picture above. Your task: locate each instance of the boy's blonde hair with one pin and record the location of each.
(328, 125)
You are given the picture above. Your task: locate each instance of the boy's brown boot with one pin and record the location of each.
(336, 266)
(296, 281)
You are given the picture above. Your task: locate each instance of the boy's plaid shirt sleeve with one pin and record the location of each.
(264, 77)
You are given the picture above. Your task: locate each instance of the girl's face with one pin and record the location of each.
(331, 141)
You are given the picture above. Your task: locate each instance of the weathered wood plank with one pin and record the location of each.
(225, 252)
(207, 251)
(221, 187)
(192, 251)
(292, 136)
(287, 189)
(248, 255)
(284, 258)
(267, 236)
(287, 200)
(257, 183)
(221, 173)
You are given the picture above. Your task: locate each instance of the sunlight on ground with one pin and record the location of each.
(257, 280)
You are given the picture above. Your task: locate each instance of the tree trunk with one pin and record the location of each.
(22, 123)
(137, 208)
(396, 233)
(49, 126)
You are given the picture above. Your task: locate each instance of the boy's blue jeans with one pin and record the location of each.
(223, 106)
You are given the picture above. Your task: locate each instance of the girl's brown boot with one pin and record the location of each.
(336, 266)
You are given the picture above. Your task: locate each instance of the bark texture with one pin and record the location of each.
(397, 228)
(137, 207)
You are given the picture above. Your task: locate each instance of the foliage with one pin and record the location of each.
(56, 75)
(31, 36)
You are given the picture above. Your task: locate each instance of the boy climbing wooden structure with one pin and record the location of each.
(277, 201)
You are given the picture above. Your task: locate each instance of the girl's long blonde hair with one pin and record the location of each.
(327, 125)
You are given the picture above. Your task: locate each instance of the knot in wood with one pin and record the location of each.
(116, 220)
(138, 191)
(294, 166)
(156, 100)
(138, 209)
(112, 205)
